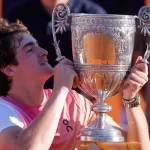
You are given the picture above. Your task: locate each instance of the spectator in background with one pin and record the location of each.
(36, 15)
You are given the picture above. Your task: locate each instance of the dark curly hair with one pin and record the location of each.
(8, 49)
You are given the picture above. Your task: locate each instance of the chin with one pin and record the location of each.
(50, 71)
(48, 67)
(47, 70)
(47, 74)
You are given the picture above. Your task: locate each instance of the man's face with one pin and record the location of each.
(33, 64)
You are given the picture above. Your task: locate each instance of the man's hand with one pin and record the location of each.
(136, 79)
(64, 75)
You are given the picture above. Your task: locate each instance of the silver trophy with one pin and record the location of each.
(102, 52)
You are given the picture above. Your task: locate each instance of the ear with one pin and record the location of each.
(9, 70)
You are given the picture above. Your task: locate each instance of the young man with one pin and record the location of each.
(35, 119)
(37, 16)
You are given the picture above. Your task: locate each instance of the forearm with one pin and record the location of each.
(137, 135)
(39, 135)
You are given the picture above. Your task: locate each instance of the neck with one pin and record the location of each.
(28, 93)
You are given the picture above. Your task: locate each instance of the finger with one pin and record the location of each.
(133, 85)
(139, 63)
(136, 78)
(140, 74)
(63, 66)
(66, 61)
(142, 67)
(138, 60)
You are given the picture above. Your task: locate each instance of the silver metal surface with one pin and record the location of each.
(146, 55)
(102, 52)
(144, 17)
(61, 12)
(102, 71)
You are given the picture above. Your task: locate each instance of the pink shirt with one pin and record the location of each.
(75, 115)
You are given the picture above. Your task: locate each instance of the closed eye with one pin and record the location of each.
(30, 50)
(30, 44)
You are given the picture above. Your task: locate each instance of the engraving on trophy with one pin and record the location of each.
(122, 34)
(103, 20)
(99, 82)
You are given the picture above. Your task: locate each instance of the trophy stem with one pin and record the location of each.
(100, 129)
(100, 120)
(101, 110)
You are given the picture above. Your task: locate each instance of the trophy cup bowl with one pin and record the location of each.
(102, 53)
(102, 47)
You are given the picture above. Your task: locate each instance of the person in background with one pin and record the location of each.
(32, 118)
(37, 16)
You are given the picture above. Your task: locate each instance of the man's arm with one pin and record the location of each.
(39, 135)
(137, 137)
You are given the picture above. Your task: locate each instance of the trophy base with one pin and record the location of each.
(103, 135)
(107, 134)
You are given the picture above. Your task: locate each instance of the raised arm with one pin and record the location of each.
(137, 137)
(39, 135)
(137, 134)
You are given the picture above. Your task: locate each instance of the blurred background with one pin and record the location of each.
(36, 15)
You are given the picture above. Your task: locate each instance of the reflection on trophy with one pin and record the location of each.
(102, 52)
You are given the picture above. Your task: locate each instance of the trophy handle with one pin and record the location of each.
(61, 12)
(60, 16)
(144, 17)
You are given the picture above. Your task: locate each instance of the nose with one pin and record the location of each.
(43, 52)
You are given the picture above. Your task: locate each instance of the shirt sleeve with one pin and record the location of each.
(9, 116)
